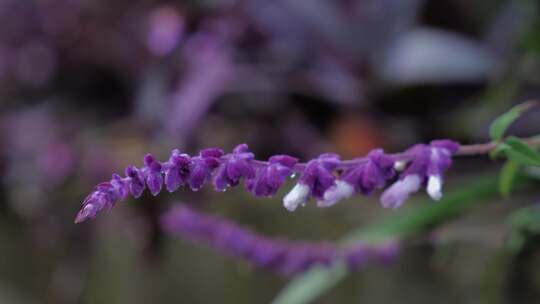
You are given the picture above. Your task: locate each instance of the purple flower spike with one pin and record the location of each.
(177, 172)
(237, 165)
(316, 179)
(270, 178)
(421, 165)
(363, 178)
(278, 255)
(135, 180)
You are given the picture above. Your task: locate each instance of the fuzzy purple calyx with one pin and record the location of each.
(237, 165)
(271, 177)
(154, 179)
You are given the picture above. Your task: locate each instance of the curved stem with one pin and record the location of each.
(485, 148)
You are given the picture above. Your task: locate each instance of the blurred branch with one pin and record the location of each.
(487, 147)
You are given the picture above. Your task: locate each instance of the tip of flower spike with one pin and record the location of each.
(83, 215)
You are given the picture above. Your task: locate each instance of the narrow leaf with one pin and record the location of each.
(522, 153)
(311, 284)
(506, 177)
(501, 123)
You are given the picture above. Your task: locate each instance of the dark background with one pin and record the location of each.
(88, 87)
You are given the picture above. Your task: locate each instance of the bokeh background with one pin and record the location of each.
(88, 87)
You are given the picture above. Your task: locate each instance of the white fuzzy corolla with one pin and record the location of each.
(341, 190)
(400, 191)
(298, 196)
(434, 187)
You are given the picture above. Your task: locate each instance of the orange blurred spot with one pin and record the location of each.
(355, 135)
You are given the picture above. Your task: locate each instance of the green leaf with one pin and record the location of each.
(501, 123)
(506, 177)
(520, 152)
(310, 285)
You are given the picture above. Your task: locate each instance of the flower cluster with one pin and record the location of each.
(326, 178)
(277, 255)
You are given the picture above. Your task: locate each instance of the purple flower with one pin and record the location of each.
(316, 179)
(363, 178)
(237, 165)
(177, 170)
(269, 178)
(120, 186)
(428, 163)
(136, 181)
(154, 179)
(201, 167)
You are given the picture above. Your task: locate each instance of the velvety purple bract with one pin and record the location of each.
(154, 179)
(236, 166)
(371, 175)
(441, 156)
(318, 174)
(271, 177)
(201, 167)
(120, 186)
(135, 181)
(177, 171)
(432, 159)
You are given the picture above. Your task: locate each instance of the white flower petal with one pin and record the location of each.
(298, 196)
(434, 187)
(341, 190)
(399, 192)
